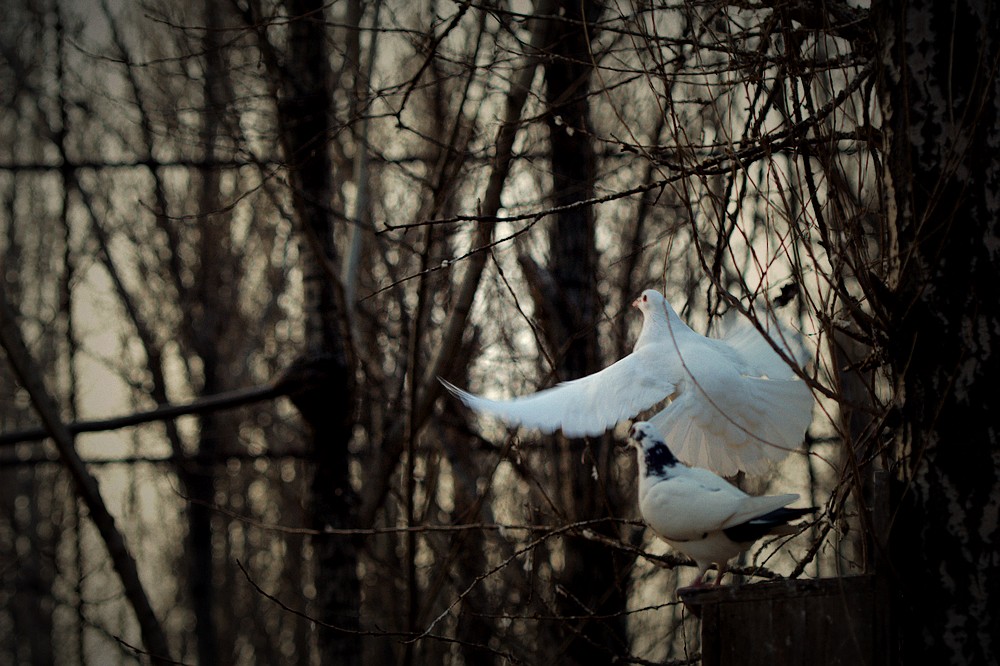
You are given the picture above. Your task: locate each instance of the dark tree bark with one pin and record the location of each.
(205, 323)
(589, 578)
(325, 380)
(939, 86)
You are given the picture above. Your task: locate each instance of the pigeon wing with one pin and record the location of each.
(740, 406)
(773, 522)
(586, 406)
(757, 352)
(755, 507)
(754, 424)
(683, 508)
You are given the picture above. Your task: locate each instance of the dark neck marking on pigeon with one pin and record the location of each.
(659, 459)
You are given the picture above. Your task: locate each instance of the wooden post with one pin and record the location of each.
(823, 622)
(820, 622)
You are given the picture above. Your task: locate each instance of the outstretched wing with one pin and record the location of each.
(757, 352)
(753, 425)
(586, 406)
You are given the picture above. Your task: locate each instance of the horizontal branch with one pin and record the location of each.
(149, 163)
(211, 403)
(610, 152)
(219, 459)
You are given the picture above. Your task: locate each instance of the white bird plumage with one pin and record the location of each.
(699, 513)
(735, 403)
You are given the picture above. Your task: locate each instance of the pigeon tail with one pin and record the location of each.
(773, 522)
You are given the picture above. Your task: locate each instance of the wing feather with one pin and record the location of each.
(768, 420)
(586, 406)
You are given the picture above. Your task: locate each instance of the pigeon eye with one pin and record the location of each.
(645, 298)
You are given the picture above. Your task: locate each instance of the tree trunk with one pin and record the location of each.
(939, 64)
(207, 338)
(589, 577)
(325, 393)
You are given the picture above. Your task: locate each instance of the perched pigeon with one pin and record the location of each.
(735, 403)
(697, 512)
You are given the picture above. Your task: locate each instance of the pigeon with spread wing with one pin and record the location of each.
(734, 403)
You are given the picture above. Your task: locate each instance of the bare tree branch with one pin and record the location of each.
(455, 327)
(86, 485)
(205, 404)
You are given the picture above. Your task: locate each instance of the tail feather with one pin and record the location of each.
(773, 522)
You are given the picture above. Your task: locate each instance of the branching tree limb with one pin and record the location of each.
(455, 327)
(30, 377)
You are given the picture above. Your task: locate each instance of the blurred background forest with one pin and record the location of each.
(260, 230)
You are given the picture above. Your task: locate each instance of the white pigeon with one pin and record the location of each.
(699, 513)
(735, 404)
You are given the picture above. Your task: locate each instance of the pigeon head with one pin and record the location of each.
(649, 301)
(658, 318)
(653, 451)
